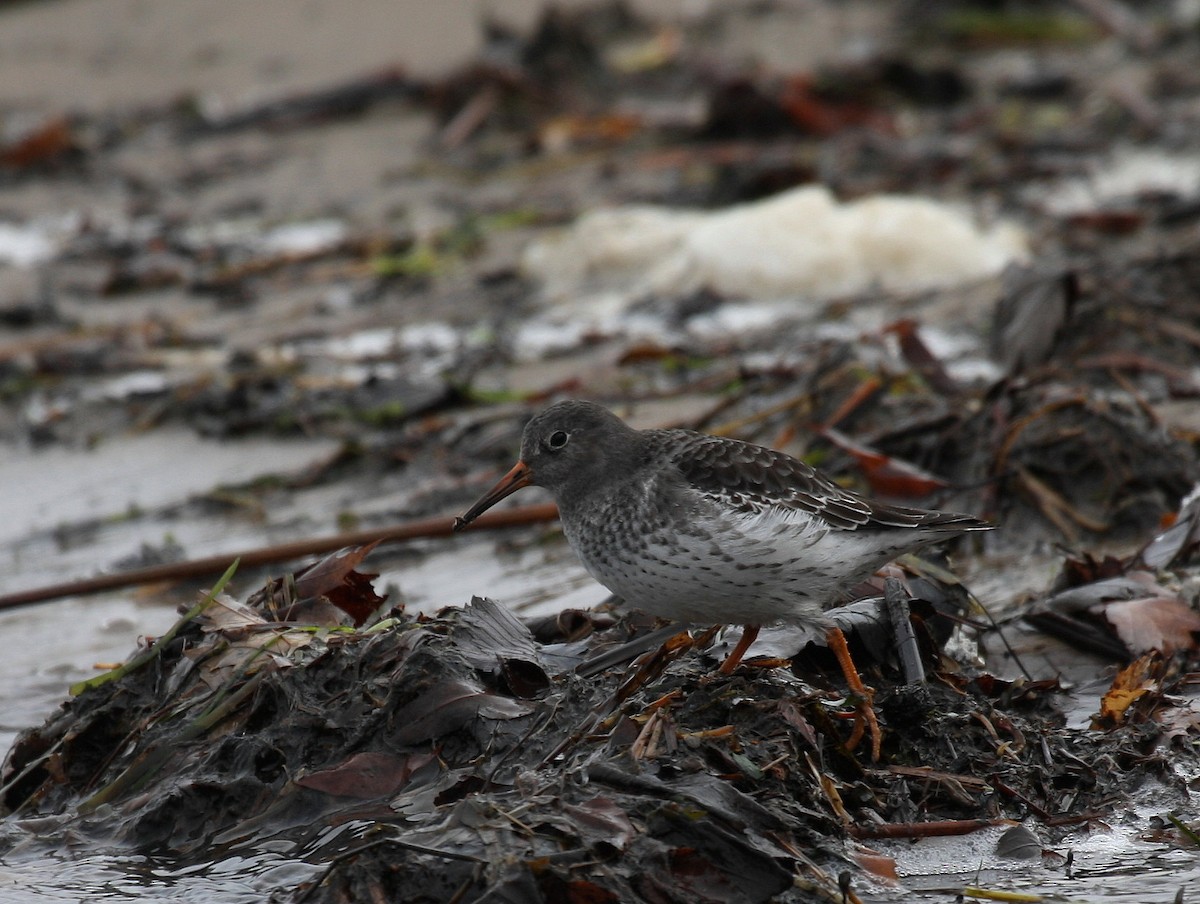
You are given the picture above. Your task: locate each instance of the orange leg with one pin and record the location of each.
(865, 721)
(749, 633)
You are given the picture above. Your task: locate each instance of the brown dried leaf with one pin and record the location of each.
(227, 615)
(324, 593)
(919, 356)
(48, 142)
(877, 864)
(1163, 623)
(1182, 721)
(1110, 222)
(356, 596)
(329, 573)
(816, 114)
(366, 775)
(1133, 682)
(887, 476)
(335, 579)
(790, 709)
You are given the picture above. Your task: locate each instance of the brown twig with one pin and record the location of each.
(936, 828)
(441, 526)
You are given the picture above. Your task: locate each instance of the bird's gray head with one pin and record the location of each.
(573, 447)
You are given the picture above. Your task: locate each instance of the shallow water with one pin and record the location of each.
(1117, 865)
(79, 509)
(52, 876)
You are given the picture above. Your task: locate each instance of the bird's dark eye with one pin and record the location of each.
(557, 440)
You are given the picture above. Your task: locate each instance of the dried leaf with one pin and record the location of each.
(1133, 682)
(564, 133)
(818, 115)
(366, 775)
(1163, 623)
(877, 864)
(247, 652)
(887, 476)
(1182, 721)
(581, 891)
(356, 596)
(323, 576)
(448, 707)
(230, 617)
(1097, 593)
(335, 579)
(48, 142)
(602, 824)
(919, 356)
(1111, 222)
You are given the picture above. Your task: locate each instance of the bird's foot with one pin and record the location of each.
(749, 633)
(865, 720)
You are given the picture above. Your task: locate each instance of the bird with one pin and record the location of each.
(707, 529)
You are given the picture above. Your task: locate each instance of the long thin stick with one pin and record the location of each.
(176, 571)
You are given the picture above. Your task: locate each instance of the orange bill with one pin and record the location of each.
(519, 476)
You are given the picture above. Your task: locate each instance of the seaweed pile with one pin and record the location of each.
(470, 756)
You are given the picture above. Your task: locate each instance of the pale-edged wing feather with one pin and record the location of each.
(756, 480)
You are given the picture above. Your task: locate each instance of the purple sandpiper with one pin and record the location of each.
(711, 530)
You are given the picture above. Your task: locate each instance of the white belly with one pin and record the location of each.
(726, 570)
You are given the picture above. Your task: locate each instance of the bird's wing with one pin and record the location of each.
(755, 479)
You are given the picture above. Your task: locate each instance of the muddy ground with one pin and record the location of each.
(338, 264)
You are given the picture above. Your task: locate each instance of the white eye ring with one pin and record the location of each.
(557, 440)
